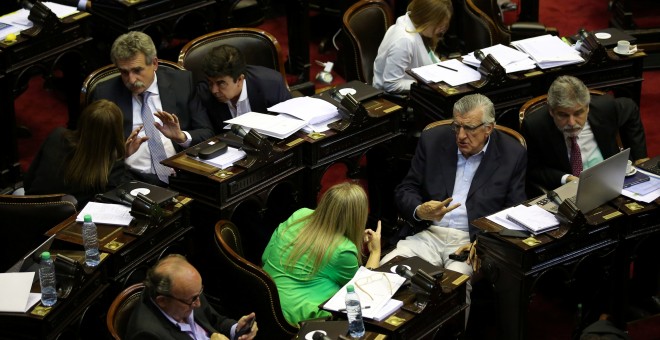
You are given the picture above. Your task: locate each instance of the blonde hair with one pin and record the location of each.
(342, 212)
(430, 13)
(97, 143)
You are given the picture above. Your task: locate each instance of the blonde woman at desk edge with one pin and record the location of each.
(315, 252)
(410, 43)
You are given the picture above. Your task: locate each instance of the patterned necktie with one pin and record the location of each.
(155, 143)
(576, 157)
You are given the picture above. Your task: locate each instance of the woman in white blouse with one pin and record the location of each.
(410, 43)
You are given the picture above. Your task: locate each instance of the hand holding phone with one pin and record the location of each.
(247, 328)
(460, 257)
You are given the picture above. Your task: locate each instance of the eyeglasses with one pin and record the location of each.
(468, 129)
(188, 303)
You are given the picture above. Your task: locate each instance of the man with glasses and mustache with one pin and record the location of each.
(172, 306)
(576, 131)
(460, 172)
(159, 104)
(234, 88)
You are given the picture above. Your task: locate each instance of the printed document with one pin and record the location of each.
(548, 51)
(15, 293)
(281, 126)
(511, 59)
(106, 213)
(452, 72)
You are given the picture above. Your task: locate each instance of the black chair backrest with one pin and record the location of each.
(121, 308)
(27, 218)
(259, 48)
(365, 24)
(245, 286)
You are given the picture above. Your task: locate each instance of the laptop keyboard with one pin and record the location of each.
(654, 169)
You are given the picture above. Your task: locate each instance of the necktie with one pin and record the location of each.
(576, 157)
(155, 144)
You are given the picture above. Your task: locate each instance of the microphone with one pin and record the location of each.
(238, 130)
(554, 197)
(320, 336)
(479, 55)
(125, 197)
(422, 280)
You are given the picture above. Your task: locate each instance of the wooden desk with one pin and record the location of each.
(443, 320)
(63, 50)
(515, 267)
(622, 75)
(125, 254)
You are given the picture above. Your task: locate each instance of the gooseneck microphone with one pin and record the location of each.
(238, 130)
(320, 336)
(422, 280)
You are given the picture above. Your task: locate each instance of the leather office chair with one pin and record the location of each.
(245, 286)
(537, 103)
(121, 308)
(364, 25)
(29, 217)
(512, 133)
(481, 25)
(258, 46)
(109, 72)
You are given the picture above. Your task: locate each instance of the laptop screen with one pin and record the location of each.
(30, 262)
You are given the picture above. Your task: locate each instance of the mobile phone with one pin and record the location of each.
(460, 257)
(246, 329)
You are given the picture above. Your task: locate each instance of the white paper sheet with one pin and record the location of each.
(15, 292)
(458, 75)
(106, 213)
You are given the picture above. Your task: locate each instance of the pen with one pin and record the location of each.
(447, 68)
(344, 309)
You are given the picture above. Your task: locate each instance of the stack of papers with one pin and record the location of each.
(317, 113)
(548, 51)
(227, 159)
(646, 192)
(452, 72)
(511, 59)
(533, 218)
(15, 293)
(281, 126)
(375, 290)
(106, 213)
(18, 21)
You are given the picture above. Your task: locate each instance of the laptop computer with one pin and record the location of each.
(597, 185)
(30, 262)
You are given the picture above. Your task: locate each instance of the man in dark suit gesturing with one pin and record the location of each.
(574, 118)
(159, 105)
(459, 173)
(234, 88)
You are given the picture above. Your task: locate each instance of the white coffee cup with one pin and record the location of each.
(629, 167)
(623, 46)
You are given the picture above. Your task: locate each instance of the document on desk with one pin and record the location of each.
(311, 110)
(19, 20)
(227, 159)
(15, 293)
(280, 126)
(501, 219)
(533, 218)
(548, 51)
(511, 59)
(375, 290)
(106, 213)
(646, 192)
(452, 72)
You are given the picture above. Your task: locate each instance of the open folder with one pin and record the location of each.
(375, 290)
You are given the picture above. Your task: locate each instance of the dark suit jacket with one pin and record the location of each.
(177, 96)
(548, 154)
(265, 88)
(148, 322)
(498, 183)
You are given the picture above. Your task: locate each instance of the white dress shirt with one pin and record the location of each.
(243, 103)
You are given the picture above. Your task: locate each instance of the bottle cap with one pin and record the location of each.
(350, 288)
(88, 218)
(45, 255)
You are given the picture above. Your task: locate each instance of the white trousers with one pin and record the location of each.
(434, 245)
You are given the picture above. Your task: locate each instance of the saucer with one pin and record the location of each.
(634, 171)
(630, 52)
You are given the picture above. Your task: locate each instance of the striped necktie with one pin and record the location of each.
(155, 143)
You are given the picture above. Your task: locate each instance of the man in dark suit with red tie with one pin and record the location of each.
(576, 131)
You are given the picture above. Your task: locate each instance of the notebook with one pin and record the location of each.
(157, 194)
(597, 185)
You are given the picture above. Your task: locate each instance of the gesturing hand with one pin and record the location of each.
(133, 142)
(434, 210)
(170, 127)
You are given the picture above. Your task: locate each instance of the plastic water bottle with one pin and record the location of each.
(91, 242)
(354, 313)
(47, 280)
